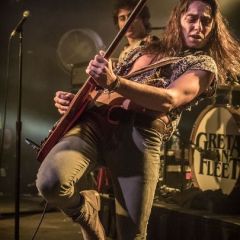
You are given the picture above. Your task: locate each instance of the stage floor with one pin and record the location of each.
(168, 221)
(54, 226)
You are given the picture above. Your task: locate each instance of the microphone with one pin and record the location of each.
(18, 28)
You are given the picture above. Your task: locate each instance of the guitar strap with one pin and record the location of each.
(163, 62)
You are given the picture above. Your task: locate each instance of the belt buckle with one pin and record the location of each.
(110, 109)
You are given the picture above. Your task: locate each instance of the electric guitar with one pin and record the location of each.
(83, 96)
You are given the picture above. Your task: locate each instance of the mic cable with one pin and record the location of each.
(41, 220)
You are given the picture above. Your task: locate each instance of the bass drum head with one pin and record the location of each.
(214, 155)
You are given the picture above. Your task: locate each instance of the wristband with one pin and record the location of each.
(114, 85)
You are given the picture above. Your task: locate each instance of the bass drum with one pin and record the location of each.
(215, 153)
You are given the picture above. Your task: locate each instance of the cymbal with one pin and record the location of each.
(224, 86)
(228, 87)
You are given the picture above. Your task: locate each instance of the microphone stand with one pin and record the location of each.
(18, 140)
(183, 165)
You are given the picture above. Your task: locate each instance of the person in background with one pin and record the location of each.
(139, 31)
(156, 83)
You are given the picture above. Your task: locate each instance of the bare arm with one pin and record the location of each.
(181, 91)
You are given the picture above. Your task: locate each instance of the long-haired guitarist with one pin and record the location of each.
(154, 84)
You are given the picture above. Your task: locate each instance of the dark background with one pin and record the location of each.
(44, 73)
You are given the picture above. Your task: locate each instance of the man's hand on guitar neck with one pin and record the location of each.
(62, 101)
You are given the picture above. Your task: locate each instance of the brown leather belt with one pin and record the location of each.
(117, 115)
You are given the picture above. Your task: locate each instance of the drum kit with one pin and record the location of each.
(211, 158)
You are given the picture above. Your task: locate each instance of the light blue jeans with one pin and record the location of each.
(132, 155)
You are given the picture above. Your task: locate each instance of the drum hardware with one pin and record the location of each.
(223, 95)
(235, 97)
(165, 191)
(175, 166)
(227, 95)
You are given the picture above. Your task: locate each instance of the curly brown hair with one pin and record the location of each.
(222, 46)
(130, 5)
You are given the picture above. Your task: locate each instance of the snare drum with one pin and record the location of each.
(228, 95)
(215, 155)
(235, 99)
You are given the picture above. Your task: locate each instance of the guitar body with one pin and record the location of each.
(68, 120)
(86, 95)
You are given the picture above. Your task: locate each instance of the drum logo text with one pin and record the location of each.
(219, 155)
